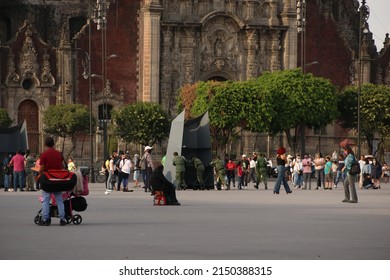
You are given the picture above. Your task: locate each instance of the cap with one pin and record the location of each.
(148, 148)
(136, 155)
(244, 155)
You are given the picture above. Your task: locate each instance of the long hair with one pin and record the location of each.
(349, 150)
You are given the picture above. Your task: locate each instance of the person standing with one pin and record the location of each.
(245, 170)
(137, 169)
(328, 173)
(125, 167)
(18, 162)
(261, 171)
(340, 174)
(199, 168)
(319, 165)
(149, 166)
(306, 165)
(230, 171)
(30, 178)
(281, 160)
(111, 175)
(376, 173)
(298, 172)
(180, 164)
(51, 159)
(349, 182)
(7, 172)
(252, 168)
(71, 165)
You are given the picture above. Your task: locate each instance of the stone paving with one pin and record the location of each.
(245, 224)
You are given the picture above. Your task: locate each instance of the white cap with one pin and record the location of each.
(244, 155)
(148, 148)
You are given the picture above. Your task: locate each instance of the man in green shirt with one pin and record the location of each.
(219, 169)
(179, 162)
(199, 167)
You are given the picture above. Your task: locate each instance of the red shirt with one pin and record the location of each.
(17, 162)
(230, 166)
(51, 159)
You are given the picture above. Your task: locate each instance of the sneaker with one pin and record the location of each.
(10, 190)
(45, 223)
(107, 192)
(63, 222)
(353, 201)
(345, 200)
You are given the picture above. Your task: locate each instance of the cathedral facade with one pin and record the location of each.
(106, 54)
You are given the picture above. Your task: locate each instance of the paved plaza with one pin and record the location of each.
(245, 224)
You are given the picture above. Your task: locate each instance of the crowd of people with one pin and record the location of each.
(325, 172)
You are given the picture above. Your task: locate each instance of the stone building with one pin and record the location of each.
(145, 50)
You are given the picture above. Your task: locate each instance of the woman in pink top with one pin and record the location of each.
(319, 165)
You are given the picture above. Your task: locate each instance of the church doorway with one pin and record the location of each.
(28, 110)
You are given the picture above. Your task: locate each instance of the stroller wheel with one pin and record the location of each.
(36, 219)
(68, 219)
(77, 219)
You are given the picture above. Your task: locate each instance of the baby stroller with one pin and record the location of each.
(73, 200)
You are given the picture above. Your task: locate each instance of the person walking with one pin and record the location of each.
(261, 171)
(349, 182)
(180, 163)
(18, 162)
(281, 160)
(51, 159)
(306, 165)
(340, 174)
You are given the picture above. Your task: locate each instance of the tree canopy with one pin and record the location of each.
(67, 121)
(274, 102)
(374, 111)
(5, 120)
(142, 123)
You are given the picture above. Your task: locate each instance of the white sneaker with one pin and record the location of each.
(107, 191)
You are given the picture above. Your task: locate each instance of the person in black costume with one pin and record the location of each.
(158, 182)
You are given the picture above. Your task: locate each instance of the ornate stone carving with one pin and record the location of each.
(28, 56)
(13, 78)
(46, 77)
(252, 66)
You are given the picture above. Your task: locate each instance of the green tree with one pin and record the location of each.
(374, 112)
(299, 99)
(5, 120)
(67, 121)
(142, 123)
(232, 107)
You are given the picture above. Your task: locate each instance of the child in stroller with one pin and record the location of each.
(367, 181)
(73, 200)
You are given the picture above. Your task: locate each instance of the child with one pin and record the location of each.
(328, 173)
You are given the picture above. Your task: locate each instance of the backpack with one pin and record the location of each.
(355, 168)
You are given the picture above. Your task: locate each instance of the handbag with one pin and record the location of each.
(57, 180)
(355, 168)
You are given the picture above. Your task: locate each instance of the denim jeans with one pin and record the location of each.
(297, 179)
(19, 179)
(281, 179)
(306, 179)
(46, 205)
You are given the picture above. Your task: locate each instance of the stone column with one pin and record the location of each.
(289, 18)
(149, 60)
(251, 64)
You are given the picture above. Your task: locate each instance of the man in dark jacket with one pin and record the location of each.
(158, 182)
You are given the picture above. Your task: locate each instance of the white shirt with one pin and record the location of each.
(125, 166)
